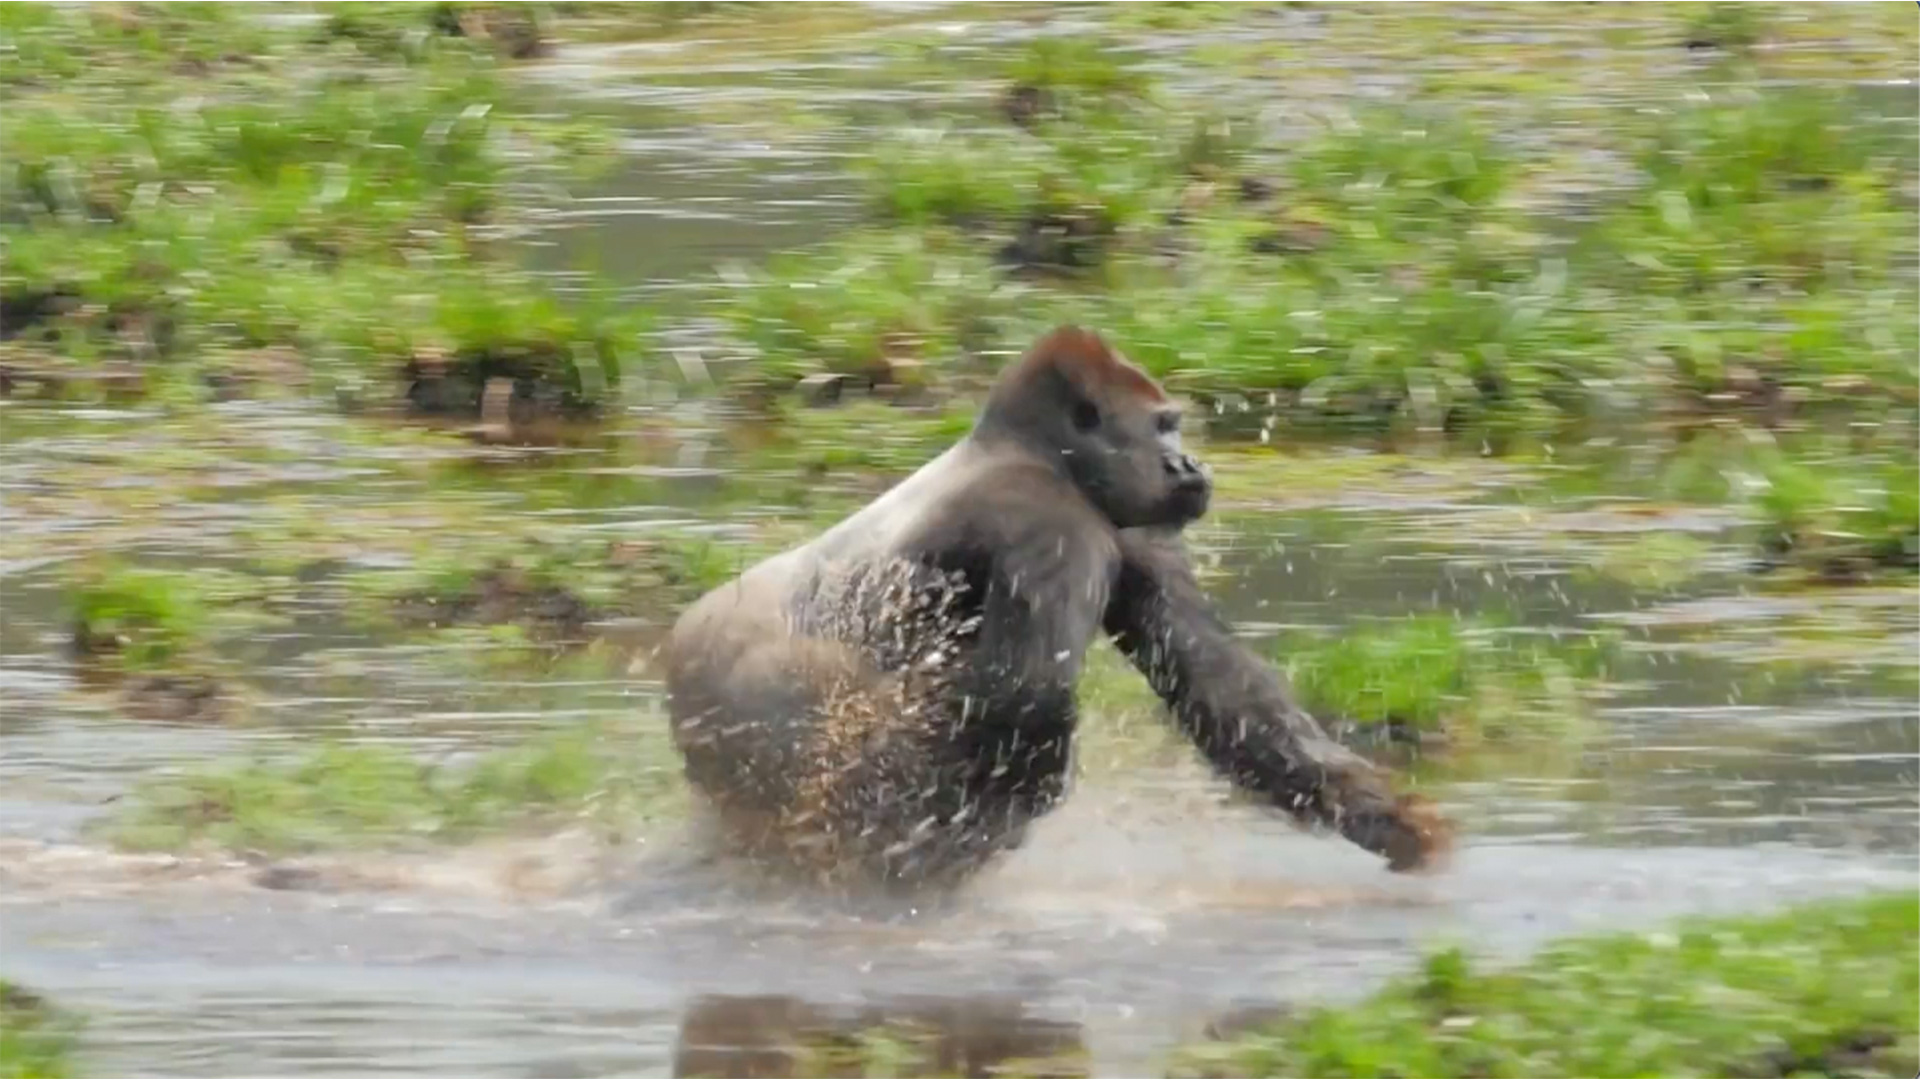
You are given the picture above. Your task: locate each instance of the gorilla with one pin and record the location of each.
(893, 701)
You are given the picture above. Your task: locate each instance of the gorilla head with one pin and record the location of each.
(1075, 401)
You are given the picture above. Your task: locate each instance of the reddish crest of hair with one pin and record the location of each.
(1086, 358)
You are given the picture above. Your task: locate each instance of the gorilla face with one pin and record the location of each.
(1073, 399)
(1121, 444)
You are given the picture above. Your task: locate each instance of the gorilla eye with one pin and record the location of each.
(1085, 416)
(1167, 423)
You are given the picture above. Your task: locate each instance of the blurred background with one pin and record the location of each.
(378, 381)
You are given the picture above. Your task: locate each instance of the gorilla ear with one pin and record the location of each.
(1085, 416)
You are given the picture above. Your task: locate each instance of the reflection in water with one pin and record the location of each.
(774, 1035)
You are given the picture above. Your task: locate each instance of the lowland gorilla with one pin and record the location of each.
(895, 698)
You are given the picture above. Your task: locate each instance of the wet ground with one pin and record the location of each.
(1761, 745)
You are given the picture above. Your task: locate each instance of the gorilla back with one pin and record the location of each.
(894, 700)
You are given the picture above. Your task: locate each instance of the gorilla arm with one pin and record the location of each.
(1238, 711)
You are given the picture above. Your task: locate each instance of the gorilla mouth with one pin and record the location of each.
(1189, 501)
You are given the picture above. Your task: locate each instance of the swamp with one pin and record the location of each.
(379, 381)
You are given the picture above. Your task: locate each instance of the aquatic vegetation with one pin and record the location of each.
(1632, 249)
(552, 590)
(559, 358)
(1175, 14)
(1718, 25)
(894, 440)
(354, 795)
(946, 176)
(1656, 560)
(162, 637)
(1400, 173)
(1075, 67)
(1825, 989)
(885, 308)
(1433, 677)
(143, 617)
(293, 210)
(407, 29)
(1422, 266)
(621, 20)
(1770, 195)
(1839, 519)
(1087, 163)
(36, 1038)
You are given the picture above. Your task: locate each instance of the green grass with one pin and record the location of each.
(1437, 675)
(1079, 145)
(1655, 561)
(146, 618)
(864, 303)
(1726, 25)
(1823, 513)
(543, 586)
(1078, 67)
(1825, 989)
(1428, 264)
(36, 1039)
(1400, 173)
(893, 441)
(350, 796)
(191, 192)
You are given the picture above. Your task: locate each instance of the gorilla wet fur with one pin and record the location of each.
(894, 701)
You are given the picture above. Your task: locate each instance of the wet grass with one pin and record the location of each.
(145, 618)
(1396, 279)
(1445, 681)
(356, 796)
(551, 589)
(163, 637)
(36, 1039)
(1827, 989)
(1499, 267)
(622, 21)
(1840, 521)
(881, 308)
(1656, 561)
(282, 210)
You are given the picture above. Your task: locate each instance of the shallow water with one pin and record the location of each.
(1762, 745)
(1150, 906)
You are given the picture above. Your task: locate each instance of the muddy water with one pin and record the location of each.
(1761, 746)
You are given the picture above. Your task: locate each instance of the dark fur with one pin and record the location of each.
(895, 698)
